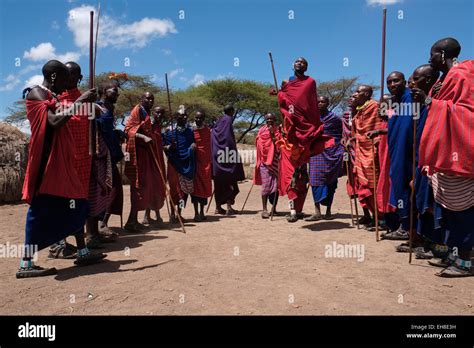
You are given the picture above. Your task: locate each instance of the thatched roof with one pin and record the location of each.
(13, 161)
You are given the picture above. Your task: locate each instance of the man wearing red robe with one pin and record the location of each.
(266, 167)
(390, 218)
(446, 152)
(159, 188)
(52, 188)
(366, 119)
(302, 135)
(140, 167)
(203, 176)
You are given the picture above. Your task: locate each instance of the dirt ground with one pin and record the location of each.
(234, 265)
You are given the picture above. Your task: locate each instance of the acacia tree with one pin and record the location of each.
(250, 99)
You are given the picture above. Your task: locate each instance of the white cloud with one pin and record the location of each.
(46, 51)
(13, 80)
(166, 51)
(33, 81)
(197, 80)
(175, 72)
(112, 33)
(382, 2)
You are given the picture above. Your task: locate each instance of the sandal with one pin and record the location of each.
(62, 251)
(292, 218)
(399, 234)
(444, 263)
(265, 214)
(314, 217)
(35, 271)
(89, 259)
(455, 271)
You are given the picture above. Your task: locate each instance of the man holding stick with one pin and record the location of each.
(52, 188)
(140, 167)
(365, 120)
(266, 168)
(159, 189)
(400, 145)
(303, 135)
(446, 152)
(180, 147)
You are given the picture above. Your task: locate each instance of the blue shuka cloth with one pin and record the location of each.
(459, 228)
(429, 225)
(400, 145)
(105, 124)
(324, 194)
(52, 218)
(182, 158)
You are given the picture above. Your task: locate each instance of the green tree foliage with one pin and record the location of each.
(250, 99)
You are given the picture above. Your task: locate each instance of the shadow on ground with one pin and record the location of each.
(106, 266)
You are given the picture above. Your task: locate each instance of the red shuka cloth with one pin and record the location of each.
(60, 177)
(365, 120)
(134, 123)
(141, 168)
(265, 150)
(79, 126)
(384, 184)
(285, 174)
(447, 141)
(203, 175)
(298, 102)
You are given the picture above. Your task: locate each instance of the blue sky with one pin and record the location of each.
(204, 44)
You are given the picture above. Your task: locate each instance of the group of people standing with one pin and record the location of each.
(74, 174)
(411, 154)
(73, 180)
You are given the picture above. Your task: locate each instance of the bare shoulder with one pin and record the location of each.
(37, 93)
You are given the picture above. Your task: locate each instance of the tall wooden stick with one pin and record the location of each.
(168, 94)
(248, 194)
(96, 36)
(273, 70)
(382, 73)
(210, 201)
(412, 194)
(167, 190)
(91, 76)
(350, 176)
(271, 132)
(350, 198)
(376, 210)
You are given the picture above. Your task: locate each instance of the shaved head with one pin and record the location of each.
(427, 70)
(449, 45)
(368, 89)
(397, 74)
(57, 76)
(424, 77)
(75, 74)
(396, 83)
